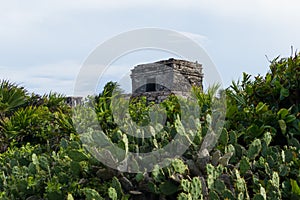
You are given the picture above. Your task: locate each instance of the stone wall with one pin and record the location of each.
(167, 75)
(158, 80)
(153, 73)
(73, 101)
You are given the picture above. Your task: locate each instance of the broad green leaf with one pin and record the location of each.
(254, 149)
(227, 194)
(112, 193)
(219, 186)
(168, 188)
(153, 188)
(258, 197)
(117, 186)
(158, 174)
(282, 125)
(155, 143)
(70, 197)
(213, 195)
(44, 162)
(261, 107)
(244, 165)
(263, 192)
(267, 138)
(275, 179)
(35, 159)
(75, 168)
(125, 141)
(240, 182)
(295, 187)
(77, 155)
(282, 113)
(290, 118)
(223, 139)
(139, 177)
(284, 93)
(232, 137)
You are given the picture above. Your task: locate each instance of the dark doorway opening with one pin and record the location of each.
(151, 85)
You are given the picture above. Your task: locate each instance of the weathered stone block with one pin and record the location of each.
(160, 79)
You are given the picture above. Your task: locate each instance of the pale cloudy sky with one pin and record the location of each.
(43, 44)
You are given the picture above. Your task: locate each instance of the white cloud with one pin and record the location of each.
(201, 39)
(274, 8)
(22, 17)
(61, 77)
(92, 78)
(253, 9)
(58, 77)
(30, 10)
(220, 5)
(35, 21)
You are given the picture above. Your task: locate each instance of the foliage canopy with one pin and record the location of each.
(257, 154)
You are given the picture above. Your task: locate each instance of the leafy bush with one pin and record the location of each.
(257, 155)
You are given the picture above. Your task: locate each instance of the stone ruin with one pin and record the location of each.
(160, 79)
(73, 101)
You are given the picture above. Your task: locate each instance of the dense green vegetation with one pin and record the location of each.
(257, 154)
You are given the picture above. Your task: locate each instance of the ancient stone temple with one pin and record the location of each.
(159, 79)
(73, 101)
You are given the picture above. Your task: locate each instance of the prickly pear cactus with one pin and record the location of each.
(192, 190)
(254, 149)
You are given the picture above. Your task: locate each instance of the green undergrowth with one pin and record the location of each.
(256, 154)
